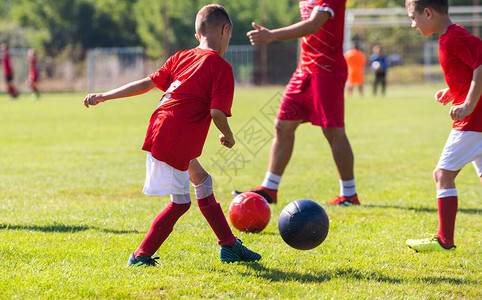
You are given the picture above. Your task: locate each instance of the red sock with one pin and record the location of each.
(161, 228)
(447, 210)
(213, 213)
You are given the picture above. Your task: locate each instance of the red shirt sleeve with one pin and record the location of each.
(162, 77)
(469, 50)
(328, 5)
(223, 88)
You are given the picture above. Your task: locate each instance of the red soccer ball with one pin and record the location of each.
(249, 212)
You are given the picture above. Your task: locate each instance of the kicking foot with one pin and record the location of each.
(238, 252)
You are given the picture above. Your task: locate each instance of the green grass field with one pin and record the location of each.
(72, 210)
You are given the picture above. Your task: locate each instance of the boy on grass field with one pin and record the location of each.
(460, 55)
(199, 86)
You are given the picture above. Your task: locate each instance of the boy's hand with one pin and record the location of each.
(227, 141)
(459, 112)
(93, 99)
(444, 96)
(260, 35)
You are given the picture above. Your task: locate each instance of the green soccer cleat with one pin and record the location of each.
(238, 252)
(428, 245)
(142, 261)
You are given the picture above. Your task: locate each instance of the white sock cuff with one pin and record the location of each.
(204, 189)
(271, 181)
(180, 199)
(348, 183)
(447, 193)
(347, 187)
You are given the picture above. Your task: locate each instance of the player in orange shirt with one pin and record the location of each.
(356, 63)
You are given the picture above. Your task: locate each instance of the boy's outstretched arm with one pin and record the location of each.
(262, 35)
(459, 112)
(221, 121)
(131, 89)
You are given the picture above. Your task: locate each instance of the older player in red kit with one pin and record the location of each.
(199, 86)
(460, 55)
(314, 94)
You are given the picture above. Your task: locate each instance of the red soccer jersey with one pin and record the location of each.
(323, 51)
(460, 53)
(194, 82)
(7, 69)
(33, 72)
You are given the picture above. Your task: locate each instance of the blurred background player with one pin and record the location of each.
(314, 94)
(33, 74)
(460, 55)
(8, 71)
(199, 86)
(356, 61)
(379, 66)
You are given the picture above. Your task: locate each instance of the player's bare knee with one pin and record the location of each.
(444, 179)
(197, 174)
(198, 177)
(437, 174)
(334, 133)
(285, 128)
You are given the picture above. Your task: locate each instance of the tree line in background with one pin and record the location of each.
(112, 23)
(56, 25)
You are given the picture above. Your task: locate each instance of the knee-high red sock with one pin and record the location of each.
(161, 228)
(213, 213)
(447, 210)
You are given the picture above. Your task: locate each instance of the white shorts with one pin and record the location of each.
(461, 148)
(163, 180)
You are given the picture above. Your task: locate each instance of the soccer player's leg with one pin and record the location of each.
(232, 249)
(461, 148)
(328, 113)
(344, 161)
(162, 180)
(447, 202)
(160, 229)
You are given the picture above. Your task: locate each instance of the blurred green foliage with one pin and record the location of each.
(55, 25)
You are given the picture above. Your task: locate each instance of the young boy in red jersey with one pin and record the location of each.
(8, 71)
(199, 86)
(33, 75)
(314, 94)
(460, 55)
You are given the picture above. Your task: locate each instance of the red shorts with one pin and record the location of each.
(317, 98)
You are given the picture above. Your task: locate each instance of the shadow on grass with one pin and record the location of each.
(62, 228)
(349, 273)
(473, 211)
